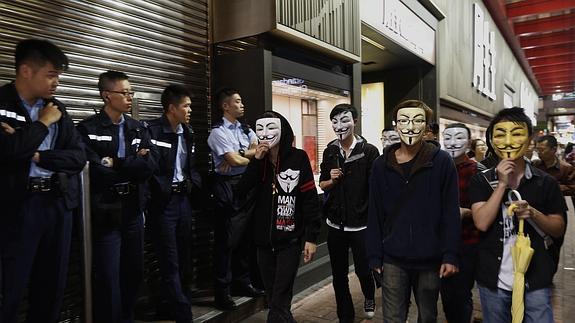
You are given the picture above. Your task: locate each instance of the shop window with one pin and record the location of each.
(309, 131)
(307, 108)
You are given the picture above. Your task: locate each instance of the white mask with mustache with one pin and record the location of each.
(269, 130)
(343, 125)
(455, 141)
(410, 125)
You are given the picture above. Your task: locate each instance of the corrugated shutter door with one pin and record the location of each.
(156, 42)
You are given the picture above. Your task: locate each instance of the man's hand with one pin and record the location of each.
(465, 213)
(261, 151)
(7, 129)
(224, 167)
(447, 270)
(523, 210)
(308, 251)
(36, 157)
(336, 174)
(505, 169)
(49, 114)
(143, 152)
(107, 162)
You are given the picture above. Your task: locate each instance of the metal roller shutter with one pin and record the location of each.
(156, 42)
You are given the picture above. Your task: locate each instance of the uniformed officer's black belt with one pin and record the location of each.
(179, 187)
(41, 184)
(124, 188)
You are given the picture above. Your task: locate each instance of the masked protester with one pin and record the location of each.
(542, 207)
(286, 212)
(389, 137)
(456, 294)
(413, 230)
(345, 171)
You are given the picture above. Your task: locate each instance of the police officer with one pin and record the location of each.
(40, 157)
(121, 161)
(172, 182)
(232, 145)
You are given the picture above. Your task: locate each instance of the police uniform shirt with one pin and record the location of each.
(181, 155)
(229, 137)
(49, 140)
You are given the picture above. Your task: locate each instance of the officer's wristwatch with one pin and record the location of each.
(242, 152)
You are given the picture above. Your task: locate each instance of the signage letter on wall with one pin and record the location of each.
(483, 55)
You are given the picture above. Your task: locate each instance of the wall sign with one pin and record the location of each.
(528, 101)
(483, 54)
(397, 22)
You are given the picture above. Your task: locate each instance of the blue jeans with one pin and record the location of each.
(396, 287)
(496, 305)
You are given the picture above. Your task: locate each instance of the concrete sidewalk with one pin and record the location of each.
(317, 303)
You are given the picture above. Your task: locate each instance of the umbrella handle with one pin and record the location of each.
(511, 193)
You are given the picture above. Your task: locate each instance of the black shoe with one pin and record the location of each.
(249, 291)
(225, 303)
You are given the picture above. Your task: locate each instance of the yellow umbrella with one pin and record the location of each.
(521, 254)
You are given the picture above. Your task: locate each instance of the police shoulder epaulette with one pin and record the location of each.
(245, 128)
(217, 124)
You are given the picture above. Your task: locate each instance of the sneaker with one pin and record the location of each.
(369, 308)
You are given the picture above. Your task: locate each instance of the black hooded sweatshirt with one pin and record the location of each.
(287, 205)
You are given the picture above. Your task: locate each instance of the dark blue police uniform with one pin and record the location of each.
(118, 199)
(170, 212)
(36, 199)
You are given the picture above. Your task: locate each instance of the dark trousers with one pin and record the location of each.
(231, 260)
(171, 230)
(118, 262)
(456, 293)
(396, 288)
(278, 269)
(339, 242)
(35, 253)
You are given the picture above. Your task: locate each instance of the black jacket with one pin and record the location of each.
(292, 213)
(101, 138)
(413, 219)
(166, 142)
(66, 160)
(346, 202)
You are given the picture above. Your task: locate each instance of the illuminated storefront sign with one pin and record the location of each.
(483, 54)
(397, 22)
